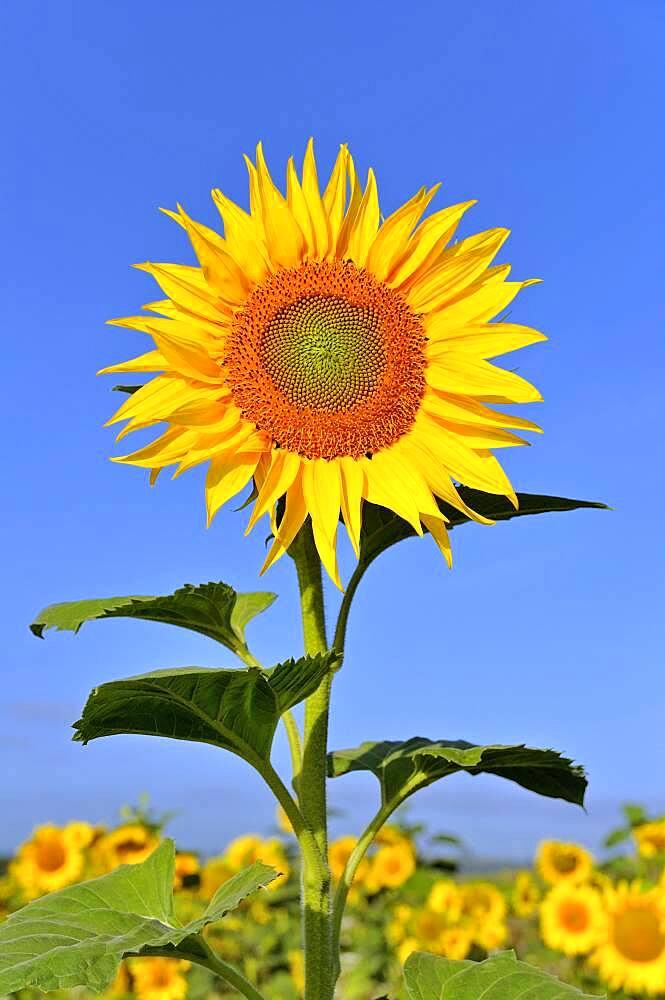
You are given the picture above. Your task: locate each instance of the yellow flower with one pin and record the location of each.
(128, 845)
(490, 935)
(331, 357)
(559, 862)
(482, 902)
(428, 928)
(46, 862)
(121, 985)
(296, 961)
(393, 866)
(389, 836)
(572, 919)
(214, 873)
(407, 947)
(632, 956)
(650, 838)
(186, 865)
(283, 821)
(397, 928)
(245, 850)
(79, 834)
(159, 978)
(525, 895)
(455, 942)
(445, 897)
(339, 852)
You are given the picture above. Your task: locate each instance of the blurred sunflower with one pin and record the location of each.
(214, 873)
(560, 862)
(445, 897)
(525, 895)
(331, 357)
(247, 849)
(455, 942)
(572, 919)
(339, 852)
(650, 838)
(482, 901)
(159, 978)
(632, 955)
(186, 866)
(128, 845)
(47, 862)
(392, 866)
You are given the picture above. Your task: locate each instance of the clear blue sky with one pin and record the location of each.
(547, 631)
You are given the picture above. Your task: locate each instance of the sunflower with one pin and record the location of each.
(560, 862)
(632, 955)
(47, 862)
(159, 978)
(186, 866)
(245, 850)
(482, 902)
(445, 897)
(525, 895)
(392, 866)
(331, 357)
(572, 919)
(128, 845)
(650, 838)
(455, 942)
(214, 873)
(339, 852)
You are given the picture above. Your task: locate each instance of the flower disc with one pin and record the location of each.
(327, 361)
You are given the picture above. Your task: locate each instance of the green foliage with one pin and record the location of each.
(404, 767)
(78, 936)
(501, 977)
(381, 528)
(215, 610)
(234, 709)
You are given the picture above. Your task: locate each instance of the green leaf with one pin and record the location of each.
(404, 767)
(234, 709)
(501, 977)
(213, 609)
(78, 936)
(129, 389)
(381, 528)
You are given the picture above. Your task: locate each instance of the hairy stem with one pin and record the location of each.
(317, 916)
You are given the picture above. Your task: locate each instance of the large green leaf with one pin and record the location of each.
(213, 609)
(78, 936)
(404, 767)
(381, 528)
(234, 709)
(501, 977)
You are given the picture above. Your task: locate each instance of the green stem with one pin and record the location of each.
(317, 916)
(345, 607)
(295, 745)
(210, 960)
(352, 865)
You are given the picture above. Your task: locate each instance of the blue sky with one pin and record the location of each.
(547, 631)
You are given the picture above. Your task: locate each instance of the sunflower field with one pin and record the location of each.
(594, 924)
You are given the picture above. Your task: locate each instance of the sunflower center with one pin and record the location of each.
(327, 360)
(324, 353)
(574, 917)
(638, 936)
(565, 862)
(51, 856)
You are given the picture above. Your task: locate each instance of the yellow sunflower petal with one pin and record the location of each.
(457, 374)
(485, 340)
(243, 236)
(353, 486)
(427, 243)
(227, 475)
(219, 268)
(458, 267)
(437, 529)
(295, 513)
(321, 490)
(296, 201)
(476, 468)
(469, 411)
(317, 210)
(151, 361)
(334, 196)
(283, 470)
(284, 238)
(390, 242)
(187, 289)
(365, 223)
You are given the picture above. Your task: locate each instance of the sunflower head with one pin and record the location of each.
(47, 862)
(650, 838)
(631, 956)
(572, 919)
(393, 865)
(561, 862)
(331, 357)
(525, 895)
(127, 845)
(159, 978)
